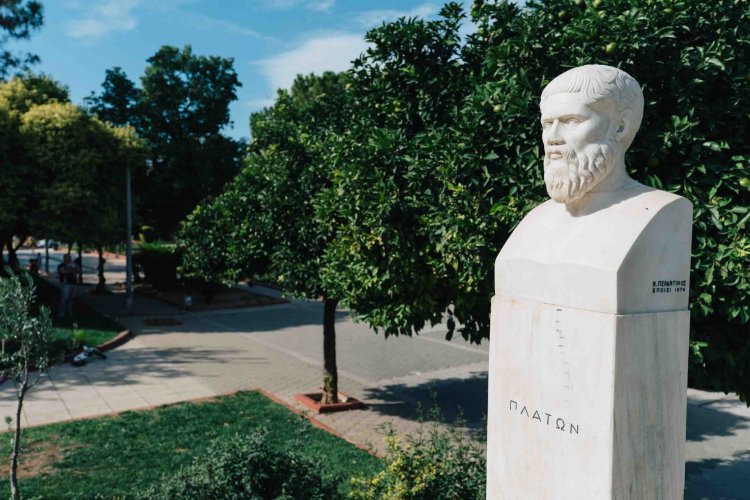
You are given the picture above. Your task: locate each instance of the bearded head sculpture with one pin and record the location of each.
(590, 115)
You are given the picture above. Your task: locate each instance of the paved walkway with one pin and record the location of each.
(279, 349)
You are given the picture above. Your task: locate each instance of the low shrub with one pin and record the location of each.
(159, 262)
(247, 467)
(439, 462)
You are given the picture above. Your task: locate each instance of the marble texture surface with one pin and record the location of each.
(583, 404)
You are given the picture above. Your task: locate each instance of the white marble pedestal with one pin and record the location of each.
(585, 405)
(588, 351)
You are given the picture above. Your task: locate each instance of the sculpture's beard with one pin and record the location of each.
(572, 175)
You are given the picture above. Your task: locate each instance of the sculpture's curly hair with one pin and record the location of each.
(609, 89)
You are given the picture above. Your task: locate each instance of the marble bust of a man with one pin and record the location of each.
(590, 328)
(598, 243)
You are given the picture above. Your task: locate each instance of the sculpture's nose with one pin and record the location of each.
(554, 138)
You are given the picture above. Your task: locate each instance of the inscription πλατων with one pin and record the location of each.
(556, 422)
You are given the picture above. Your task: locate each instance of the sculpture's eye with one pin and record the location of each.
(546, 124)
(572, 121)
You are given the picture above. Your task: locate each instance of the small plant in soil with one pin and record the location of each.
(26, 336)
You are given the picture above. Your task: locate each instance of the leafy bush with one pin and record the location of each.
(246, 467)
(159, 262)
(439, 462)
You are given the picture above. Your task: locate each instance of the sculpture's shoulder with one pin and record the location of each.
(652, 199)
(603, 255)
(598, 232)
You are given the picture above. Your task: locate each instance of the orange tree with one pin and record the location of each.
(442, 160)
(264, 223)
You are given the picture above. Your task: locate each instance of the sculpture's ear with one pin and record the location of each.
(623, 125)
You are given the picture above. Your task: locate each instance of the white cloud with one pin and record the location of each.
(112, 15)
(203, 21)
(316, 5)
(375, 17)
(325, 53)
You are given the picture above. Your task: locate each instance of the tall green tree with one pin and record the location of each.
(265, 222)
(409, 246)
(183, 106)
(118, 102)
(83, 162)
(180, 111)
(20, 181)
(18, 19)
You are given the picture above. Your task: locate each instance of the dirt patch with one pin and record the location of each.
(38, 457)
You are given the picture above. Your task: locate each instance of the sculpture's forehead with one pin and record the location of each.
(565, 104)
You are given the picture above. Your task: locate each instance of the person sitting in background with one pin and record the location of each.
(68, 276)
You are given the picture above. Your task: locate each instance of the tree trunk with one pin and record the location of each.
(21, 240)
(330, 373)
(3, 272)
(14, 491)
(12, 257)
(101, 286)
(80, 265)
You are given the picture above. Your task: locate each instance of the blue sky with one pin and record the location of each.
(270, 40)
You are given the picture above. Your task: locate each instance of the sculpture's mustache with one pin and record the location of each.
(569, 174)
(566, 154)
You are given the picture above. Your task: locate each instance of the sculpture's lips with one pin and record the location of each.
(554, 154)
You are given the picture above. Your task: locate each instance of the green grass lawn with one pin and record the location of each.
(116, 456)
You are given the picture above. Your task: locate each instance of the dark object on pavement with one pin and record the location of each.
(83, 357)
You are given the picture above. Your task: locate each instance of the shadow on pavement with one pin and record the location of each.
(707, 421)
(718, 478)
(135, 365)
(464, 397)
(258, 319)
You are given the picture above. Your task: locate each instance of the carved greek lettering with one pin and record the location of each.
(557, 424)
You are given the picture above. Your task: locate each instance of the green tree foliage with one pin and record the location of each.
(82, 162)
(265, 222)
(20, 180)
(691, 60)
(180, 110)
(27, 339)
(118, 101)
(412, 242)
(18, 18)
